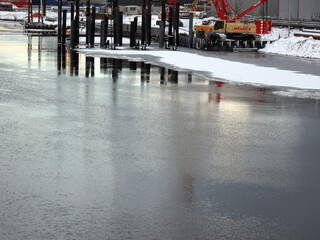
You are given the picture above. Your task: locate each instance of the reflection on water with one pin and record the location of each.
(115, 149)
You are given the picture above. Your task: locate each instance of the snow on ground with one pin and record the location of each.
(220, 69)
(285, 43)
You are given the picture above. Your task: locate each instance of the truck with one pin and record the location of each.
(232, 27)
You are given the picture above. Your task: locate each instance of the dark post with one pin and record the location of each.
(162, 24)
(73, 34)
(149, 21)
(114, 15)
(133, 32)
(77, 23)
(170, 26)
(177, 13)
(44, 7)
(88, 21)
(64, 28)
(102, 34)
(93, 26)
(72, 12)
(190, 42)
(120, 29)
(59, 20)
(29, 11)
(39, 10)
(143, 27)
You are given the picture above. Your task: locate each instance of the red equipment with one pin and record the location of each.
(223, 5)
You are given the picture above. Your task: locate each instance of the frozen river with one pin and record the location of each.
(128, 150)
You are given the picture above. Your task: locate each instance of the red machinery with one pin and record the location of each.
(230, 25)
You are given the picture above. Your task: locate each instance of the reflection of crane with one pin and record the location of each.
(230, 26)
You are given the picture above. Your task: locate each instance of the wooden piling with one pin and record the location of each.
(92, 27)
(190, 42)
(64, 28)
(59, 20)
(88, 25)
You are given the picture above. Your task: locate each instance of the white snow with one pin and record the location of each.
(216, 68)
(285, 43)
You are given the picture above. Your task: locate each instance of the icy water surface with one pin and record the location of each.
(109, 149)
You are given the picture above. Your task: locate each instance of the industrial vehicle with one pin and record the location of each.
(229, 26)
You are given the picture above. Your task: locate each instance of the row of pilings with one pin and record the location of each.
(115, 30)
(167, 35)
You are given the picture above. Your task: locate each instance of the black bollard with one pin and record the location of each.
(143, 26)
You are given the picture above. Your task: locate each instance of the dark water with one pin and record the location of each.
(109, 149)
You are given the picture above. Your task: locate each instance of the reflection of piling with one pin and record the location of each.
(74, 63)
(189, 77)
(59, 60)
(173, 76)
(133, 66)
(162, 74)
(145, 72)
(89, 66)
(103, 65)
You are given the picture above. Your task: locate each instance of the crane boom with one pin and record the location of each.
(248, 10)
(223, 5)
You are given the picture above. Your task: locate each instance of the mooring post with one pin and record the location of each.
(88, 22)
(59, 20)
(72, 12)
(162, 24)
(149, 21)
(132, 43)
(29, 10)
(177, 13)
(120, 24)
(102, 34)
(73, 34)
(190, 42)
(77, 23)
(114, 15)
(170, 27)
(44, 7)
(143, 26)
(93, 26)
(64, 28)
(146, 31)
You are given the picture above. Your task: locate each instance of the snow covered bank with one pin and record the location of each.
(216, 68)
(289, 45)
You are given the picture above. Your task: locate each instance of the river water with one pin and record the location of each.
(110, 149)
